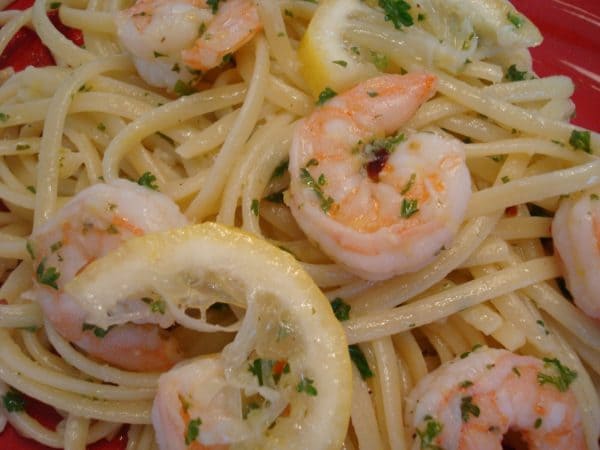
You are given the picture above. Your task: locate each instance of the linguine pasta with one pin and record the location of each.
(220, 153)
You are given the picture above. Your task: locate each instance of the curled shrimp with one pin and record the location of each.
(94, 222)
(378, 206)
(472, 402)
(576, 234)
(175, 41)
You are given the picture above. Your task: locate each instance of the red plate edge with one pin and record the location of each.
(571, 47)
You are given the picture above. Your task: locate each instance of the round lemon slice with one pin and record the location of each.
(328, 59)
(287, 372)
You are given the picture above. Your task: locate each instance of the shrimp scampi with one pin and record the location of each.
(96, 221)
(576, 234)
(174, 42)
(377, 205)
(471, 403)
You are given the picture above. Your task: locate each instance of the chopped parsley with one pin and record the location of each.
(340, 62)
(409, 207)
(312, 162)
(468, 407)
(594, 197)
(467, 43)
(388, 144)
(55, 5)
(156, 306)
(372, 93)
(465, 354)
(227, 58)
(182, 88)
(465, 384)
(505, 179)
(4, 117)
(543, 325)
(255, 206)
(23, 147)
(256, 369)
(326, 201)
(31, 189)
(514, 74)
(56, 246)
(409, 184)
(288, 13)
(516, 19)
(421, 17)
(516, 371)
(379, 60)
(13, 401)
(564, 378)
(325, 95)
(193, 427)
(214, 4)
(396, 11)
(427, 436)
(101, 126)
(306, 385)
(111, 229)
(29, 248)
(538, 423)
(580, 140)
(201, 30)
(98, 332)
(47, 275)
(341, 309)
(148, 180)
(280, 169)
(158, 54)
(360, 361)
(175, 68)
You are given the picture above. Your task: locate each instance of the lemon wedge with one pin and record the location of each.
(287, 320)
(328, 59)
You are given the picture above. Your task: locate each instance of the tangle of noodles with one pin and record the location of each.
(92, 119)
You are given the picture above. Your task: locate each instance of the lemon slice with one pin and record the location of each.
(328, 59)
(287, 321)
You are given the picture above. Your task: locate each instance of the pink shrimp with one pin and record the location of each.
(173, 40)
(94, 222)
(378, 206)
(472, 402)
(576, 234)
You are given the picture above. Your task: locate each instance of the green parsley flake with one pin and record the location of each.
(341, 309)
(409, 207)
(98, 332)
(409, 184)
(288, 13)
(580, 140)
(326, 94)
(340, 62)
(379, 60)
(255, 206)
(372, 93)
(227, 58)
(360, 361)
(516, 371)
(31, 189)
(23, 147)
(4, 117)
(465, 354)
(193, 428)
(148, 180)
(594, 197)
(214, 4)
(516, 19)
(29, 248)
(538, 423)
(156, 306)
(306, 385)
(256, 369)
(55, 5)
(47, 275)
(467, 407)
(201, 30)
(101, 126)
(182, 88)
(13, 401)
(56, 246)
(396, 11)
(427, 436)
(513, 74)
(505, 179)
(421, 17)
(326, 201)
(465, 384)
(564, 378)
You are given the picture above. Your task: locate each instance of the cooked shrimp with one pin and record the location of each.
(195, 406)
(472, 402)
(378, 206)
(176, 40)
(94, 222)
(576, 234)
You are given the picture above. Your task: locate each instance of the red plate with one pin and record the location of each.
(571, 47)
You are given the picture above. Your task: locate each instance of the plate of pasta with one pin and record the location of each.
(340, 224)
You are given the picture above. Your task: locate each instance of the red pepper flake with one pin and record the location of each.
(511, 211)
(375, 166)
(279, 367)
